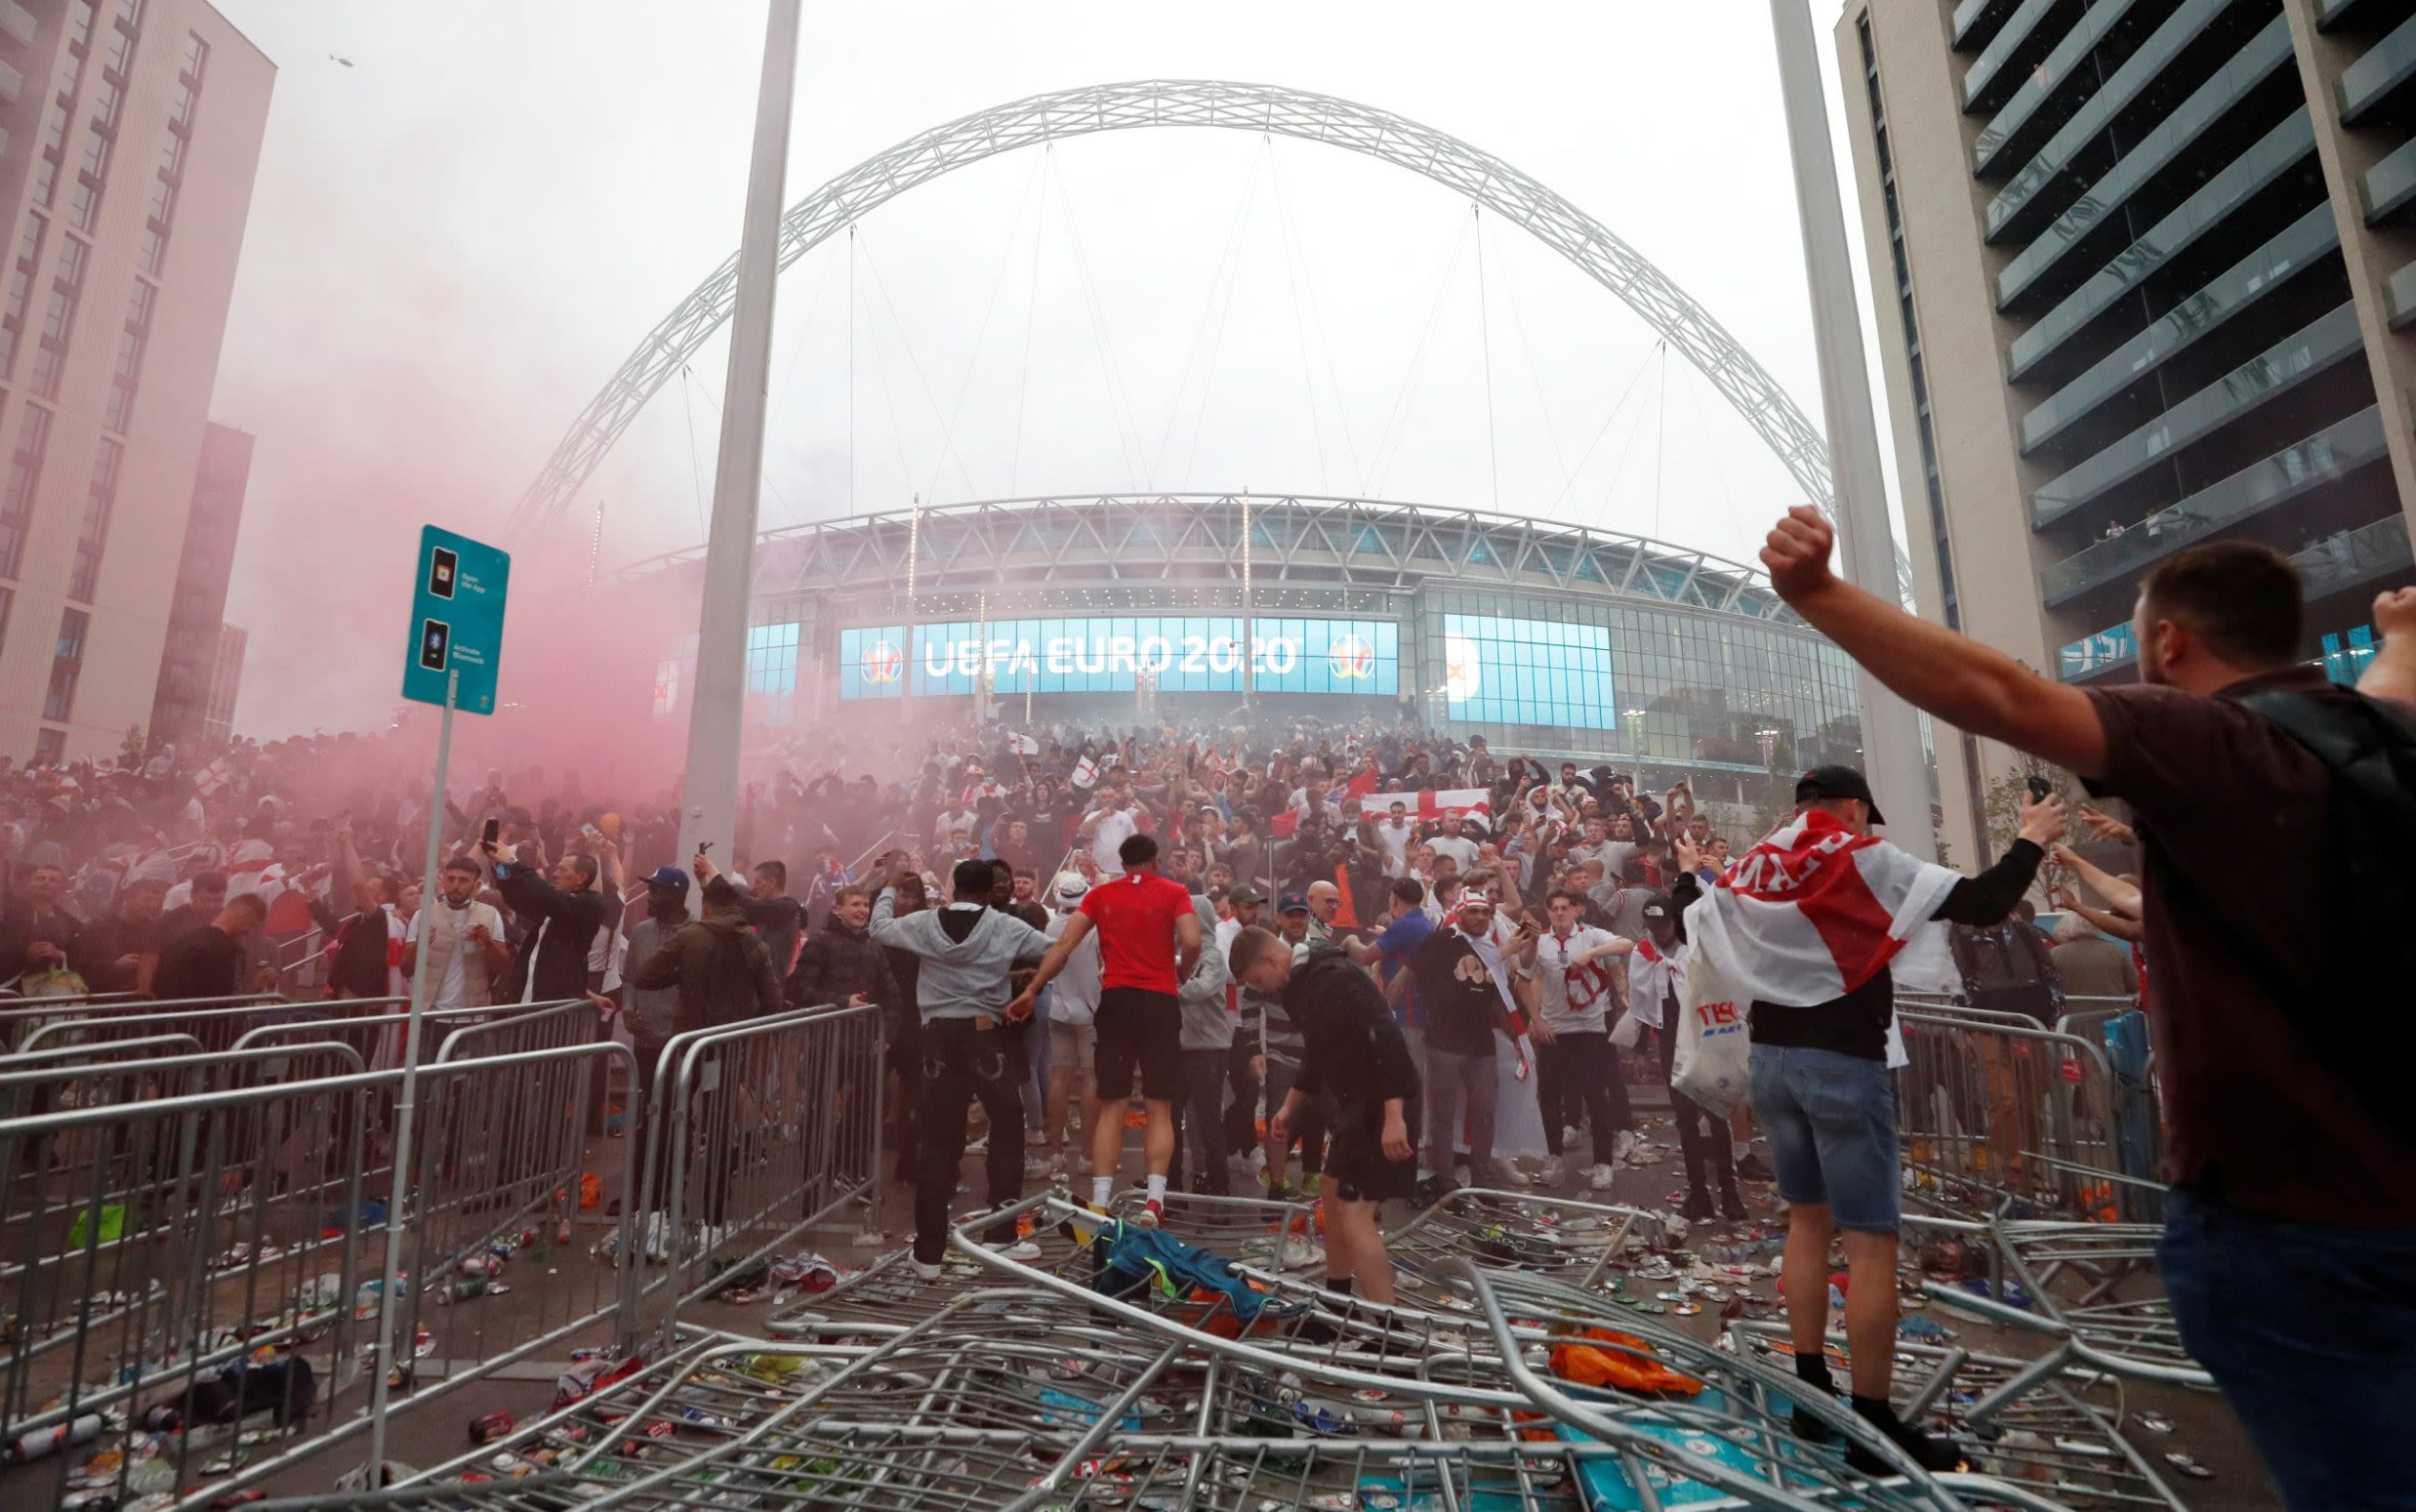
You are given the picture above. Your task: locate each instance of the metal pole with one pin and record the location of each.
(1249, 650)
(388, 1355)
(716, 712)
(1892, 754)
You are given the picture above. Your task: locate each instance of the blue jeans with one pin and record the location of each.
(2310, 1332)
(1830, 1119)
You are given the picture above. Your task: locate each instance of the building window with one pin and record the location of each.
(127, 376)
(21, 290)
(33, 439)
(196, 58)
(66, 664)
(58, 320)
(98, 498)
(50, 748)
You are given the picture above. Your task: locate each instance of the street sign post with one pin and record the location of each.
(454, 647)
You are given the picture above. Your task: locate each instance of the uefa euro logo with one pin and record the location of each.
(1354, 660)
(880, 662)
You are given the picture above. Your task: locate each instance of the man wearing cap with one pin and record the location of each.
(1821, 1089)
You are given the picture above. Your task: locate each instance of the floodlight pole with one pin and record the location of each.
(1892, 754)
(709, 807)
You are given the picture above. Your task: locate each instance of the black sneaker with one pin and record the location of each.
(1697, 1206)
(1731, 1205)
(1812, 1430)
(1932, 1453)
(1750, 1166)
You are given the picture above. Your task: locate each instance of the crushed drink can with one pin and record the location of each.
(487, 1430)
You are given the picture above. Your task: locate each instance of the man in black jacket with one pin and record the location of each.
(1352, 1050)
(562, 916)
(840, 962)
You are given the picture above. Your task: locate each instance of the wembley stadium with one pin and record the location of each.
(1543, 636)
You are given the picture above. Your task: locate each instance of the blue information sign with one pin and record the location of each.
(457, 620)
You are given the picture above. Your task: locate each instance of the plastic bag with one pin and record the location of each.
(1625, 1033)
(1713, 1062)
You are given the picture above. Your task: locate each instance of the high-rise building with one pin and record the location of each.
(188, 664)
(2142, 271)
(132, 130)
(218, 719)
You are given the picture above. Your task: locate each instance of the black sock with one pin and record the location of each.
(1879, 1409)
(1340, 1286)
(1813, 1371)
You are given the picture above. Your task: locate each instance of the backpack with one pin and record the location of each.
(2370, 750)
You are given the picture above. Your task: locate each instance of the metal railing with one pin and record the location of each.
(755, 1133)
(2008, 1116)
(199, 1251)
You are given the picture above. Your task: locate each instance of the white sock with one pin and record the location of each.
(1100, 1189)
(1157, 1189)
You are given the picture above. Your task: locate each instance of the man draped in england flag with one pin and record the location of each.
(1811, 929)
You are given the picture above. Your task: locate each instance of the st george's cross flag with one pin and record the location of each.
(1814, 912)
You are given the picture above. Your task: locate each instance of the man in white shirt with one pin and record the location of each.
(1459, 847)
(466, 936)
(1115, 820)
(954, 829)
(1575, 1064)
(1073, 1033)
(1395, 836)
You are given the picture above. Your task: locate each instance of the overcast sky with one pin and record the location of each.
(455, 240)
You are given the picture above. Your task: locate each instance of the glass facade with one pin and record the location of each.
(1638, 681)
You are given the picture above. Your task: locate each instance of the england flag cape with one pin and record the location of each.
(1813, 912)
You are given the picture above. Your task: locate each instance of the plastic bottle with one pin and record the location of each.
(43, 1442)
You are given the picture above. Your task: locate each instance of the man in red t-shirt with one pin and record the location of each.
(1149, 940)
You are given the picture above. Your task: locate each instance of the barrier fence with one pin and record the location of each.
(755, 1131)
(1998, 1112)
(197, 1240)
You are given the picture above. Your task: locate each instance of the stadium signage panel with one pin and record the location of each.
(1199, 653)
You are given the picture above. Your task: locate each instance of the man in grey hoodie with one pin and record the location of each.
(1207, 1052)
(966, 949)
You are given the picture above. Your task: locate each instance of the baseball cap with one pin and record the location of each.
(1658, 906)
(668, 876)
(1246, 893)
(1292, 903)
(1837, 781)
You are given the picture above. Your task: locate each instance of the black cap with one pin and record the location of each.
(1837, 781)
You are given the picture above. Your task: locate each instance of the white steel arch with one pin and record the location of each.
(1255, 107)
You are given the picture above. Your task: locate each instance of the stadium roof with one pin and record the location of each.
(1192, 539)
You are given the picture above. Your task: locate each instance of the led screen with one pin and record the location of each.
(1194, 654)
(1502, 670)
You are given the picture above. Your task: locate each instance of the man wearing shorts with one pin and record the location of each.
(1354, 1056)
(1073, 1034)
(1149, 940)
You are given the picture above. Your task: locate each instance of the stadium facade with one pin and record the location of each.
(1543, 636)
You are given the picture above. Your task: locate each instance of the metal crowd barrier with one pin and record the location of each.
(755, 1133)
(216, 1022)
(2092, 1288)
(213, 1255)
(21, 1017)
(2000, 1117)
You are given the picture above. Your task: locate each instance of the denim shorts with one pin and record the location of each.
(1831, 1124)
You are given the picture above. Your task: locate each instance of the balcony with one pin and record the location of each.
(2272, 373)
(2058, 70)
(1976, 21)
(2312, 236)
(2343, 563)
(16, 23)
(1990, 78)
(2320, 459)
(2237, 184)
(2158, 152)
(2402, 292)
(2368, 84)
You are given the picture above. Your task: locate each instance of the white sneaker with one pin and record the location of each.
(655, 1250)
(1600, 1178)
(1018, 1250)
(1623, 1146)
(1036, 1168)
(1552, 1172)
(1512, 1176)
(926, 1270)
